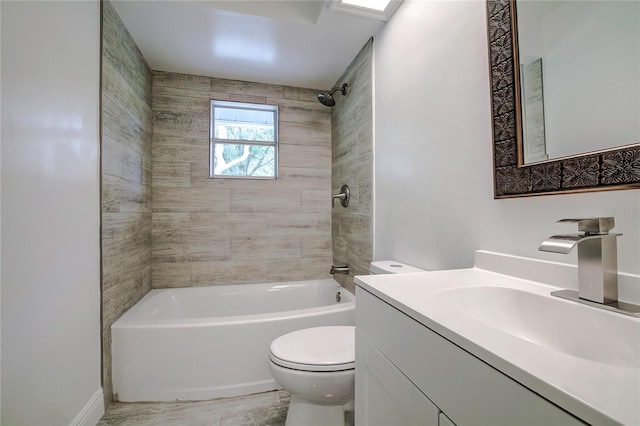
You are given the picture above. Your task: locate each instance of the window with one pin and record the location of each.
(380, 10)
(244, 140)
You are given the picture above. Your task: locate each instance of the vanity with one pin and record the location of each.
(489, 345)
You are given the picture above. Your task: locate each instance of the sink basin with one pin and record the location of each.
(574, 329)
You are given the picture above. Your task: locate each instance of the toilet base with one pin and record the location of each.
(308, 413)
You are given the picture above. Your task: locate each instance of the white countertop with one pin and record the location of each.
(596, 392)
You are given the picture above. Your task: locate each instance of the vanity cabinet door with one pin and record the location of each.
(445, 421)
(384, 396)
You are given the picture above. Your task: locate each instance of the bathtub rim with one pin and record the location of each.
(234, 319)
(131, 321)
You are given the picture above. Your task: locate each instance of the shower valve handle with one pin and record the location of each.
(343, 196)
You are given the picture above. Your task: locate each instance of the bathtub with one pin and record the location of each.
(209, 342)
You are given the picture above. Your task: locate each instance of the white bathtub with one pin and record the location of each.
(209, 342)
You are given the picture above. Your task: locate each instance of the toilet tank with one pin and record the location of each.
(391, 267)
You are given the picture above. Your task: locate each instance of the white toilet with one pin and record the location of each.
(317, 367)
(380, 267)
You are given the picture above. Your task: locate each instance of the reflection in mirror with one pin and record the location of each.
(599, 169)
(579, 69)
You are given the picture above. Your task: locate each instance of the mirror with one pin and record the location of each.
(605, 157)
(579, 66)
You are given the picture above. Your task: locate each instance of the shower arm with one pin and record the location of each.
(343, 89)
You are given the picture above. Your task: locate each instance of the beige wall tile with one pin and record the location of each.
(177, 238)
(352, 133)
(182, 81)
(135, 131)
(113, 156)
(200, 177)
(312, 133)
(126, 246)
(316, 245)
(237, 271)
(193, 199)
(265, 201)
(317, 201)
(298, 224)
(118, 90)
(248, 98)
(233, 224)
(181, 124)
(299, 269)
(236, 87)
(301, 111)
(126, 178)
(172, 173)
(169, 275)
(301, 94)
(355, 227)
(246, 214)
(136, 197)
(181, 149)
(309, 156)
(304, 178)
(110, 117)
(181, 100)
(111, 194)
(273, 247)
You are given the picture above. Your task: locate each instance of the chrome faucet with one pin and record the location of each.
(597, 263)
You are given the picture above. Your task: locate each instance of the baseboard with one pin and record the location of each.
(91, 412)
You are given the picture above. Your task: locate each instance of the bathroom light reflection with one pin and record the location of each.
(245, 50)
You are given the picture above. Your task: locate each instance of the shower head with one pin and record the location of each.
(327, 98)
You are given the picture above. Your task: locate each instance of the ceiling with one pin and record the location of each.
(299, 43)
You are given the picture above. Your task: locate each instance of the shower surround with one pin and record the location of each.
(126, 178)
(165, 223)
(352, 164)
(235, 231)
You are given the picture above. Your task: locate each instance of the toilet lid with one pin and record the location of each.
(316, 349)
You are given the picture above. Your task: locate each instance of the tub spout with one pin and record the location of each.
(339, 269)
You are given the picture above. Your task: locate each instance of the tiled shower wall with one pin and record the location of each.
(352, 154)
(224, 231)
(126, 178)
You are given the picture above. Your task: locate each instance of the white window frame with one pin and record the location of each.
(213, 140)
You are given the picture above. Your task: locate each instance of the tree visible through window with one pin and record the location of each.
(244, 140)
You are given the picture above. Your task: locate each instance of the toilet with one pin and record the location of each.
(380, 267)
(317, 366)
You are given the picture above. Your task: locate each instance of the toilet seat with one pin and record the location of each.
(316, 349)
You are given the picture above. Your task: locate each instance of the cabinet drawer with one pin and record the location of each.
(384, 396)
(470, 391)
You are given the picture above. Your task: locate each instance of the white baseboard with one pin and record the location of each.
(91, 412)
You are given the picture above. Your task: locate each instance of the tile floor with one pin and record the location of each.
(263, 409)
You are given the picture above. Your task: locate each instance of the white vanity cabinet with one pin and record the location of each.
(406, 374)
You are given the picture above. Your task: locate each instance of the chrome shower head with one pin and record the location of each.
(327, 98)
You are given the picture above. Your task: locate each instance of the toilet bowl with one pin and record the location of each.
(317, 367)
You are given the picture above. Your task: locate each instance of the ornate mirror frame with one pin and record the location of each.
(612, 169)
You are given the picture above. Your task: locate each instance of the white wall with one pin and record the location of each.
(433, 155)
(590, 101)
(50, 213)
